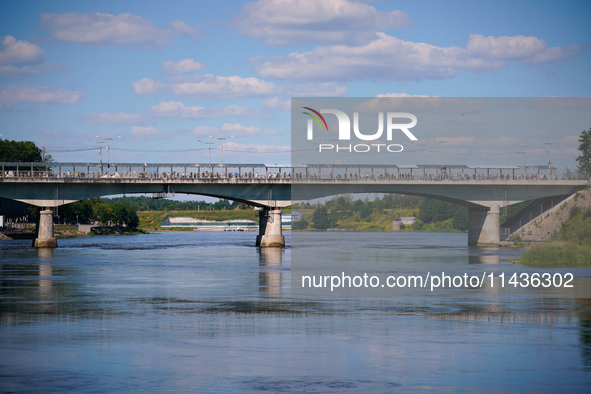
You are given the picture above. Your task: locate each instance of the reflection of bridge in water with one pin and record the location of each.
(483, 189)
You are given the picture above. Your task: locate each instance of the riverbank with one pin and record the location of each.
(116, 230)
(569, 247)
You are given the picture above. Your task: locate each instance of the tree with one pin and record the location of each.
(124, 214)
(299, 225)
(584, 158)
(321, 218)
(460, 219)
(365, 212)
(19, 151)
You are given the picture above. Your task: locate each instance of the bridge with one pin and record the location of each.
(483, 189)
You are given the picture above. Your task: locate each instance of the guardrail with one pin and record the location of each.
(261, 171)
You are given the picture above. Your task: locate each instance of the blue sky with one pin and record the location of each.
(162, 76)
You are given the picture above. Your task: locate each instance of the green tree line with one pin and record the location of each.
(144, 203)
(19, 151)
(88, 211)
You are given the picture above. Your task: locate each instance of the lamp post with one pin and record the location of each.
(524, 166)
(442, 151)
(209, 148)
(221, 139)
(333, 153)
(317, 144)
(549, 146)
(422, 162)
(107, 141)
(100, 152)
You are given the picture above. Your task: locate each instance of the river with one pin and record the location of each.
(209, 312)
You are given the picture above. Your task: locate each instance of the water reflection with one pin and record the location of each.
(45, 254)
(270, 260)
(484, 256)
(209, 312)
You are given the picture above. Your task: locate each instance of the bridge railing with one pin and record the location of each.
(262, 172)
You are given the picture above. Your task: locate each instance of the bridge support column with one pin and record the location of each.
(45, 237)
(270, 228)
(484, 226)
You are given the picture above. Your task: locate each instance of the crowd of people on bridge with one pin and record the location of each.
(460, 176)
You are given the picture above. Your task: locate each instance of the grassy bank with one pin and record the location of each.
(570, 247)
(381, 220)
(116, 230)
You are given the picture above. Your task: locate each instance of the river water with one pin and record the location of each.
(208, 312)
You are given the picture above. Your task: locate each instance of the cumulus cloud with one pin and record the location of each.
(527, 49)
(419, 104)
(175, 109)
(324, 89)
(281, 22)
(18, 52)
(186, 30)
(235, 130)
(18, 94)
(390, 58)
(147, 86)
(124, 29)
(148, 132)
(182, 66)
(256, 148)
(113, 119)
(277, 103)
(400, 95)
(20, 58)
(208, 86)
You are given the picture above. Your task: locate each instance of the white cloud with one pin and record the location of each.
(186, 30)
(277, 103)
(400, 95)
(390, 58)
(20, 58)
(18, 94)
(147, 86)
(174, 109)
(113, 119)
(324, 89)
(234, 130)
(205, 130)
(256, 148)
(528, 49)
(124, 29)
(148, 132)
(456, 141)
(286, 22)
(182, 66)
(447, 105)
(18, 52)
(208, 86)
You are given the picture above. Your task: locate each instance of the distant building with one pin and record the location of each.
(408, 220)
(218, 225)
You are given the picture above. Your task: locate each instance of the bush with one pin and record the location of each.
(299, 225)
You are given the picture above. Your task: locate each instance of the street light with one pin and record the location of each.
(333, 152)
(549, 145)
(317, 153)
(442, 142)
(524, 166)
(221, 139)
(107, 141)
(209, 148)
(422, 162)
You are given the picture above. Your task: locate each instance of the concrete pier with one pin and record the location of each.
(484, 226)
(270, 234)
(45, 237)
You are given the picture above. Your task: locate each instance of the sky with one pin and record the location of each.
(164, 77)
